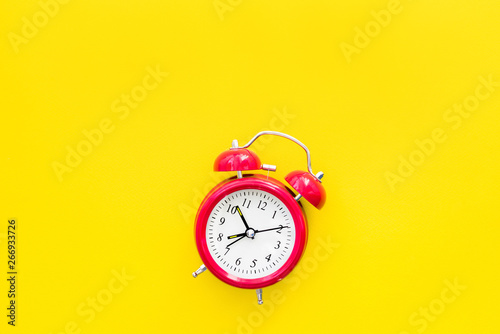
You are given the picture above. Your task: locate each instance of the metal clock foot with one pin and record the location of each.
(259, 296)
(201, 269)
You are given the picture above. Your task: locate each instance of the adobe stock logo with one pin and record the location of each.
(121, 106)
(31, 27)
(363, 37)
(309, 264)
(455, 115)
(98, 302)
(223, 6)
(425, 315)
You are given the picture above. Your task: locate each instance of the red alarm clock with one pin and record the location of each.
(251, 230)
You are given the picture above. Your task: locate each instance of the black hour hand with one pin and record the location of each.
(242, 218)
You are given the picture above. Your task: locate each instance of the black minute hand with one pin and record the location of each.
(258, 231)
(272, 229)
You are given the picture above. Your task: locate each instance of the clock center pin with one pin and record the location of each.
(250, 233)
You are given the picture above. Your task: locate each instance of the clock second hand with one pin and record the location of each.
(272, 229)
(227, 247)
(257, 231)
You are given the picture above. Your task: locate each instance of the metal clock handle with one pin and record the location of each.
(284, 135)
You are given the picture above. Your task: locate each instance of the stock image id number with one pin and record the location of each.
(11, 244)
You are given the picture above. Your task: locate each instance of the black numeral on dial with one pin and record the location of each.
(247, 203)
(233, 210)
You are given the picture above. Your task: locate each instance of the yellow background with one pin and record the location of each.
(129, 204)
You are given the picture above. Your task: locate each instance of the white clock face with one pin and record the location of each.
(250, 233)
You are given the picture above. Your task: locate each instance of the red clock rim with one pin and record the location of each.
(259, 182)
